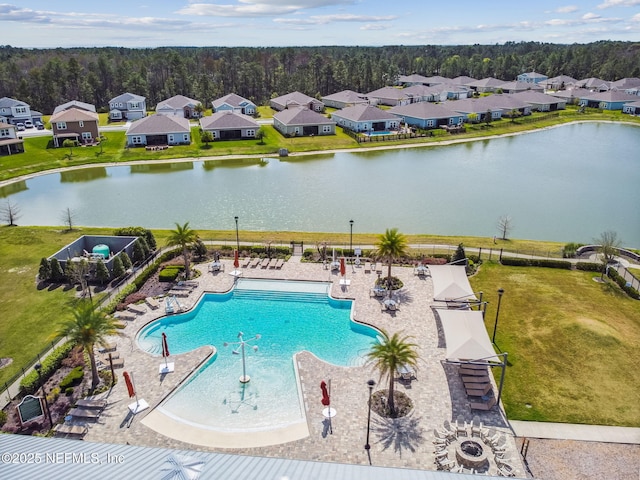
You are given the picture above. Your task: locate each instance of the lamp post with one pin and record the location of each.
(38, 368)
(495, 326)
(241, 343)
(367, 446)
(237, 237)
(351, 236)
(86, 282)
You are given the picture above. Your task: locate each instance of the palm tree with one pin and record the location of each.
(183, 237)
(391, 245)
(388, 356)
(89, 327)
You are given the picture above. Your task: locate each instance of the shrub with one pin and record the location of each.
(137, 232)
(589, 266)
(57, 274)
(532, 262)
(102, 272)
(53, 395)
(169, 274)
(74, 377)
(622, 283)
(3, 417)
(68, 391)
(118, 267)
(31, 382)
(569, 250)
(126, 261)
(44, 272)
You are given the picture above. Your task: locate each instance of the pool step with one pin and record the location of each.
(281, 296)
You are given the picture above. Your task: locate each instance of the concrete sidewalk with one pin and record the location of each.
(569, 431)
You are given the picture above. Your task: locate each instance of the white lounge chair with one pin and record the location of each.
(245, 263)
(84, 413)
(152, 302)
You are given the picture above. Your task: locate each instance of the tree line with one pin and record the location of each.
(45, 78)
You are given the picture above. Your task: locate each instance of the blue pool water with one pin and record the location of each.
(290, 317)
(381, 132)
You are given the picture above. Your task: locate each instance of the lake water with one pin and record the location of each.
(566, 184)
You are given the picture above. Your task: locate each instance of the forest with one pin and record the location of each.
(45, 78)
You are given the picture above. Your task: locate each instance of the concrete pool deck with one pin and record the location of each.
(437, 393)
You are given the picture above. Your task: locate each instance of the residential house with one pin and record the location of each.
(452, 91)
(9, 141)
(561, 82)
(423, 93)
(594, 84)
(436, 80)
(234, 103)
(477, 107)
(531, 77)
(610, 100)
(75, 104)
(127, 106)
(541, 101)
(14, 111)
(427, 115)
(390, 96)
(294, 121)
(366, 118)
(344, 99)
(630, 85)
(518, 86)
(632, 108)
(229, 125)
(296, 99)
(179, 106)
(74, 123)
(159, 130)
(486, 85)
(508, 103)
(414, 79)
(463, 80)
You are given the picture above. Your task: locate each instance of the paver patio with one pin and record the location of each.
(438, 394)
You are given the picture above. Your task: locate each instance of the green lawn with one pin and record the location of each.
(572, 345)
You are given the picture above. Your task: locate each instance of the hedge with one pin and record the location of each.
(532, 262)
(32, 381)
(73, 378)
(589, 266)
(169, 274)
(616, 277)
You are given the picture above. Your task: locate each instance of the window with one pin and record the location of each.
(21, 110)
(251, 133)
(4, 132)
(185, 137)
(136, 140)
(326, 129)
(86, 136)
(134, 105)
(81, 123)
(430, 123)
(297, 130)
(170, 138)
(61, 125)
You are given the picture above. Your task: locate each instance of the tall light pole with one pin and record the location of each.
(237, 237)
(367, 446)
(351, 236)
(495, 326)
(38, 367)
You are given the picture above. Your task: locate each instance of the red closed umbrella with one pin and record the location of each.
(236, 262)
(326, 400)
(343, 267)
(165, 345)
(129, 382)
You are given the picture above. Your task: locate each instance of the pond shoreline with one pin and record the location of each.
(29, 176)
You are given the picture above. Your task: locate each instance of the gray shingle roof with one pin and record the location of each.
(127, 97)
(227, 119)
(425, 110)
(531, 96)
(159, 125)
(302, 116)
(231, 99)
(365, 113)
(6, 102)
(388, 92)
(177, 101)
(75, 104)
(74, 115)
(346, 96)
(610, 96)
(294, 98)
(487, 82)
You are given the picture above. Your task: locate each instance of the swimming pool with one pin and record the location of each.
(381, 132)
(290, 317)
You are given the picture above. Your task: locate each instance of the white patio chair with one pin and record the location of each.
(476, 427)
(461, 426)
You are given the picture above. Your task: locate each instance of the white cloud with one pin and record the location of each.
(636, 18)
(257, 8)
(590, 16)
(567, 9)
(340, 17)
(375, 26)
(618, 3)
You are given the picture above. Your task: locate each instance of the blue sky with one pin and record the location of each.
(152, 23)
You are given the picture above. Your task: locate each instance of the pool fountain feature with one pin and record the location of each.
(472, 453)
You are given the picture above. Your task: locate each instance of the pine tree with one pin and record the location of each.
(126, 261)
(118, 267)
(102, 272)
(57, 274)
(44, 272)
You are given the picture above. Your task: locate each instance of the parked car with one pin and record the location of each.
(40, 125)
(28, 124)
(20, 127)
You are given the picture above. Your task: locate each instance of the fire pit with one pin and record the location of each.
(472, 453)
